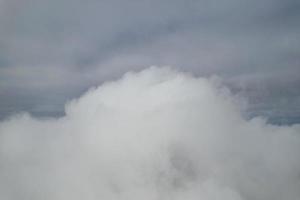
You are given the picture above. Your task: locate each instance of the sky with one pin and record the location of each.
(149, 99)
(52, 51)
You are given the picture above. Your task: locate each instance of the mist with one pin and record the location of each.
(157, 134)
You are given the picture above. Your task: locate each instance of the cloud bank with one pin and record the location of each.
(44, 42)
(156, 134)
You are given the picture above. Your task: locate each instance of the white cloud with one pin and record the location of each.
(156, 134)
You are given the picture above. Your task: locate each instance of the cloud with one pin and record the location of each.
(45, 42)
(155, 134)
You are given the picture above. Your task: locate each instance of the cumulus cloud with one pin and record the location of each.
(156, 134)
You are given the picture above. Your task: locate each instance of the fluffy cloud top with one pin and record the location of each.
(156, 134)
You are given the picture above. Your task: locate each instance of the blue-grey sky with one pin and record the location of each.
(149, 99)
(53, 50)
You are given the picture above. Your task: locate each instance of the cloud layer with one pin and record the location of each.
(156, 134)
(52, 50)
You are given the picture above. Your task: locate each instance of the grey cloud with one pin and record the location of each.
(63, 47)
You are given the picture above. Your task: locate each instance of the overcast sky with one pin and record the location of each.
(149, 99)
(53, 50)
